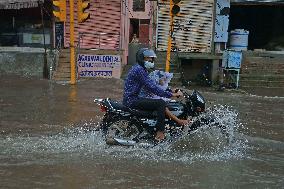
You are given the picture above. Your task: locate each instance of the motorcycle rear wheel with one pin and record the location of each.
(122, 129)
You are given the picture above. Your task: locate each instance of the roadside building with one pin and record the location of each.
(23, 47)
(263, 63)
(204, 29)
(201, 31)
(22, 23)
(112, 25)
(111, 28)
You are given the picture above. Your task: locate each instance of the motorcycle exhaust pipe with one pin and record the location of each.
(117, 141)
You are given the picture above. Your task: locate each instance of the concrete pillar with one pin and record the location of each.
(215, 71)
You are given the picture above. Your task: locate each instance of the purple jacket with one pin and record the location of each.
(136, 79)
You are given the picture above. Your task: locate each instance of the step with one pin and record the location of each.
(63, 65)
(268, 77)
(65, 59)
(278, 65)
(265, 61)
(64, 54)
(62, 74)
(64, 71)
(261, 83)
(262, 71)
(62, 79)
(264, 56)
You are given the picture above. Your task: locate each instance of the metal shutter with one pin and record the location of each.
(102, 30)
(193, 28)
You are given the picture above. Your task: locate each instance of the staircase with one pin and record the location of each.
(62, 72)
(262, 69)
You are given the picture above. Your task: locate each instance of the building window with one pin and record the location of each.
(138, 5)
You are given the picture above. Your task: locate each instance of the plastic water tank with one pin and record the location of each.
(239, 39)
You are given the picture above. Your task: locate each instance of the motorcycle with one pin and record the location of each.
(125, 126)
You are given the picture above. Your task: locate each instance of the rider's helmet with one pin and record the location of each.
(145, 52)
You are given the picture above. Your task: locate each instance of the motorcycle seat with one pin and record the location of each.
(141, 113)
(118, 106)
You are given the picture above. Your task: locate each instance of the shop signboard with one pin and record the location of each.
(106, 66)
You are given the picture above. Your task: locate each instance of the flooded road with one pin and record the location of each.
(47, 141)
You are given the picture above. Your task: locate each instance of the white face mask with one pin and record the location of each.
(148, 64)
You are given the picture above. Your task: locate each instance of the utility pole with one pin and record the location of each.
(168, 60)
(174, 11)
(72, 46)
(60, 14)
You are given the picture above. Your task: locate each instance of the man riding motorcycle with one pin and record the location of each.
(137, 78)
(162, 79)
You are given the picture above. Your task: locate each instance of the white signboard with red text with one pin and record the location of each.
(106, 66)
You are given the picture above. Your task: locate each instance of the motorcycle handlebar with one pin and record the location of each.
(177, 90)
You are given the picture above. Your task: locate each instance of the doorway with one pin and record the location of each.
(140, 27)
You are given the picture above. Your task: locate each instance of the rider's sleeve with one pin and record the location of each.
(150, 85)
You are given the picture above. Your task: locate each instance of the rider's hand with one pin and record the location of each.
(177, 94)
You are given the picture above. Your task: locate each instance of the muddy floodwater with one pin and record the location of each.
(47, 140)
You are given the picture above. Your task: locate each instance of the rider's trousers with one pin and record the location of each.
(157, 105)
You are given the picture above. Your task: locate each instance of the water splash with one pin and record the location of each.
(219, 140)
(208, 143)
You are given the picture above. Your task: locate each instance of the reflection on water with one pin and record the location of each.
(47, 140)
(72, 101)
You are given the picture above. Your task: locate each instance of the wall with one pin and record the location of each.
(192, 68)
(24, 61)
(141, 15)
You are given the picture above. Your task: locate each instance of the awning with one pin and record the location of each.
(19, 4)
